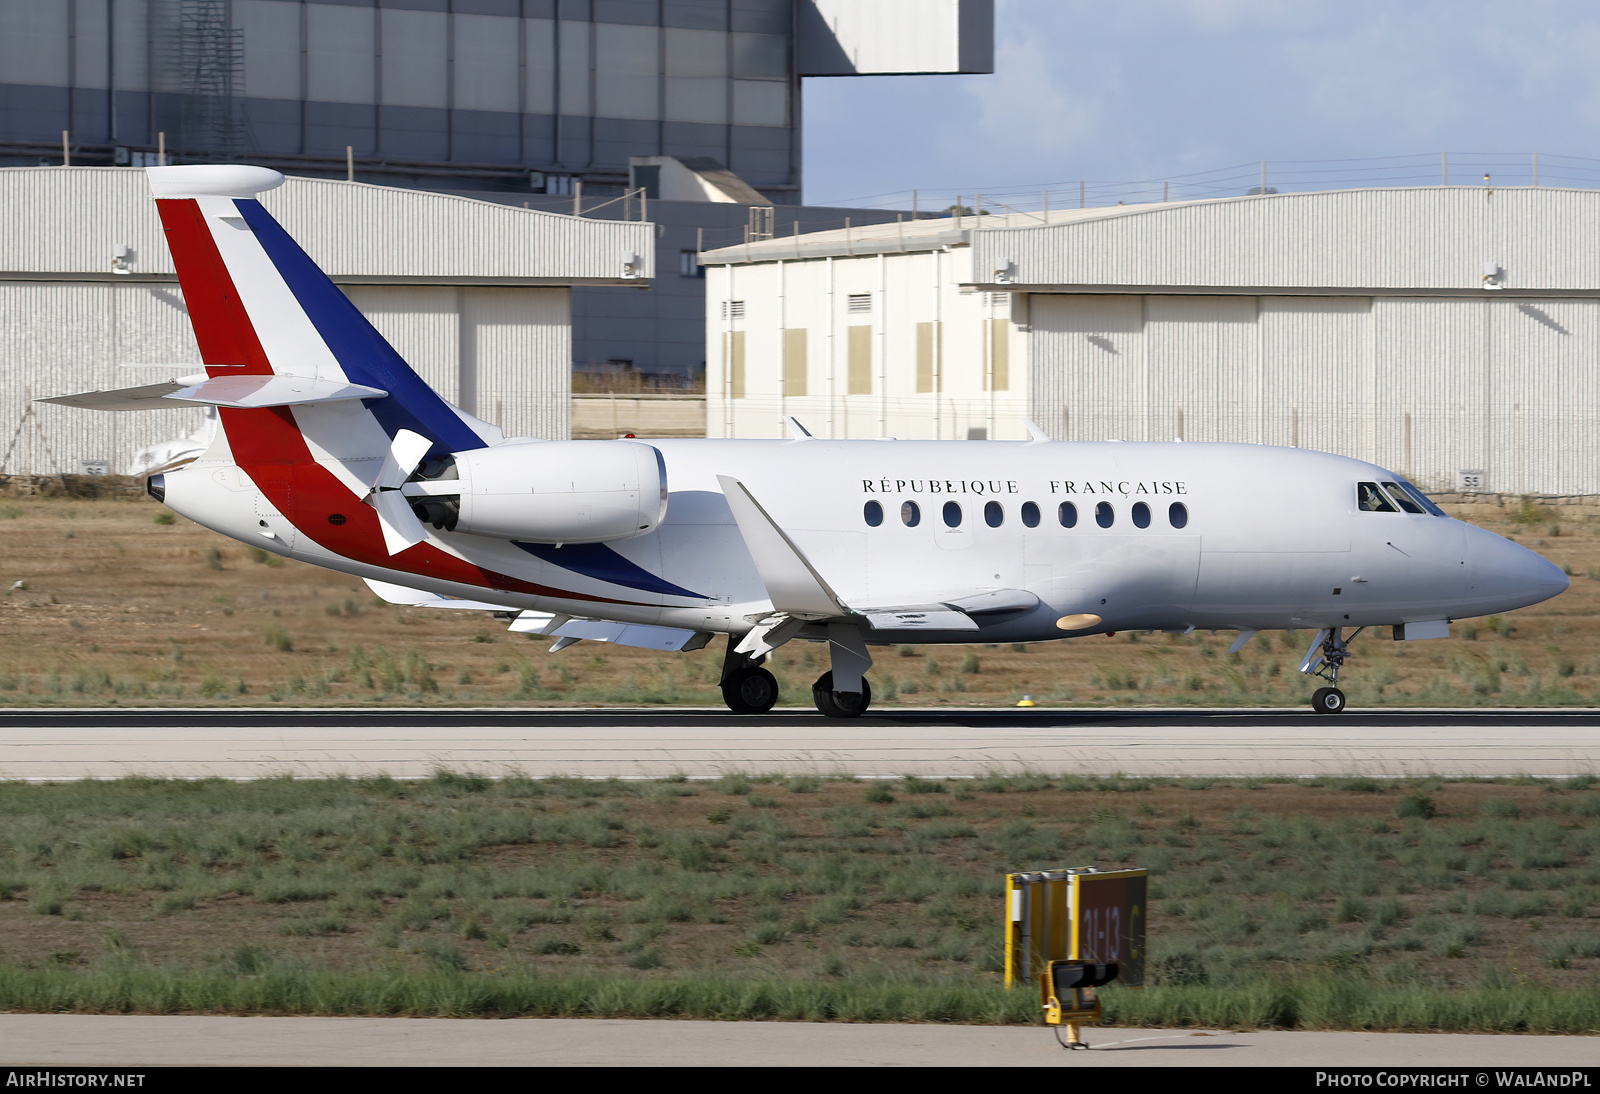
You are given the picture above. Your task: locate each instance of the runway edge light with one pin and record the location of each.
(1074, 931)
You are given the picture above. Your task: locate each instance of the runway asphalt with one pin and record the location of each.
(55, 743)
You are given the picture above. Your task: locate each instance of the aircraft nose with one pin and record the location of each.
(1511, 576)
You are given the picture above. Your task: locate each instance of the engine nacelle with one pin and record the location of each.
(545, 491)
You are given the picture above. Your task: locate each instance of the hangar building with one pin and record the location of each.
(533, 100)
(475, 295)
(1450, 333)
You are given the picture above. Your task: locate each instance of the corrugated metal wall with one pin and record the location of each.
(512, 345)
(58, 338)
(1428, 387)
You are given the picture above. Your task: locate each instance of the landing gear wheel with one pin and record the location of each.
(750, 691)
(1328, 701)
(840, 704)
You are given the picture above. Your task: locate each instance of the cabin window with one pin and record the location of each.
(1403, 499)
(1104, 515)
(873, 512)
(1178, 514)
(1369, 499)
(1030, 514)
(1141, 515)
(1068, 515)
(910, 514)
(993, 515)
(952, 515)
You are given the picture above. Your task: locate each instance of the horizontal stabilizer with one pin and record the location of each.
(144, 397)
(263, 391)
(243, 392)
(792, 583)
(417, 598)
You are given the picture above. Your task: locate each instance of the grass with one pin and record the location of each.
(1317, 903)
(134, 610)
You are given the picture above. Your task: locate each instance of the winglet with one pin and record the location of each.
(800, 432)
(1036, 433)
(791, 581)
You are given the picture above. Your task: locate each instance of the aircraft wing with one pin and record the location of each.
(799, 591)
(792, 583)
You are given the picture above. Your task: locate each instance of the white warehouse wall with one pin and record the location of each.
(902, 292)
(1427, 386)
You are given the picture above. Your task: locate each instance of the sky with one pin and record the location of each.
(1117, 90)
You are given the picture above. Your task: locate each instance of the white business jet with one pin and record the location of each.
(333, 451)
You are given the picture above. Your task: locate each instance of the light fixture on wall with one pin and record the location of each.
(1493, 276)
(630, 264)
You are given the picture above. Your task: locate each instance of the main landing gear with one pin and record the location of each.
(840, 704)
(747, 688)
(1325, 658)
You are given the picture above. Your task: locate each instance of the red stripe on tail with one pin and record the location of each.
(268, 444)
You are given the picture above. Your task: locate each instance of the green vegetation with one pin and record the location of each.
(1322, 903)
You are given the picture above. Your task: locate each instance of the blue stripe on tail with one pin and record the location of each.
(363, 353)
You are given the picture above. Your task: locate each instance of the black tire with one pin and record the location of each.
(751, 691)
(1328, 701)
(840, 704)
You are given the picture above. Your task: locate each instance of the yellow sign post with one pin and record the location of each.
(1073, 931)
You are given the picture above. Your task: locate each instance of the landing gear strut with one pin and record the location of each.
(1325, 662)
(746, 687)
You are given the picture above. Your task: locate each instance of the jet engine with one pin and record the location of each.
(544, 491)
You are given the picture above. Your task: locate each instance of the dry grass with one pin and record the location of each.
(114, 607)
(461, 894)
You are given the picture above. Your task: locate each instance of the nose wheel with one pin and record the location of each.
(1327, 701)
(1325, 658)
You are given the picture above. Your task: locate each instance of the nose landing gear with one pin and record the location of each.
(1324, 659)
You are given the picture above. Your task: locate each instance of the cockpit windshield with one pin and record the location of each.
(1401, 498)
(1394, 497)
(1372, 500)
(1423, 499)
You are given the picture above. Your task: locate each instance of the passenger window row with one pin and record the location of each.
(994, 514)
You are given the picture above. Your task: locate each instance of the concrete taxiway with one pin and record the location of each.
(134, 1041)
(240, 744)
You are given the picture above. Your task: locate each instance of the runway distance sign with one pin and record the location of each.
(1080, 914)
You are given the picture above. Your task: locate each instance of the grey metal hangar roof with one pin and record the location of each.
(1436, 240)
(75, 223)
(1433, 240)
